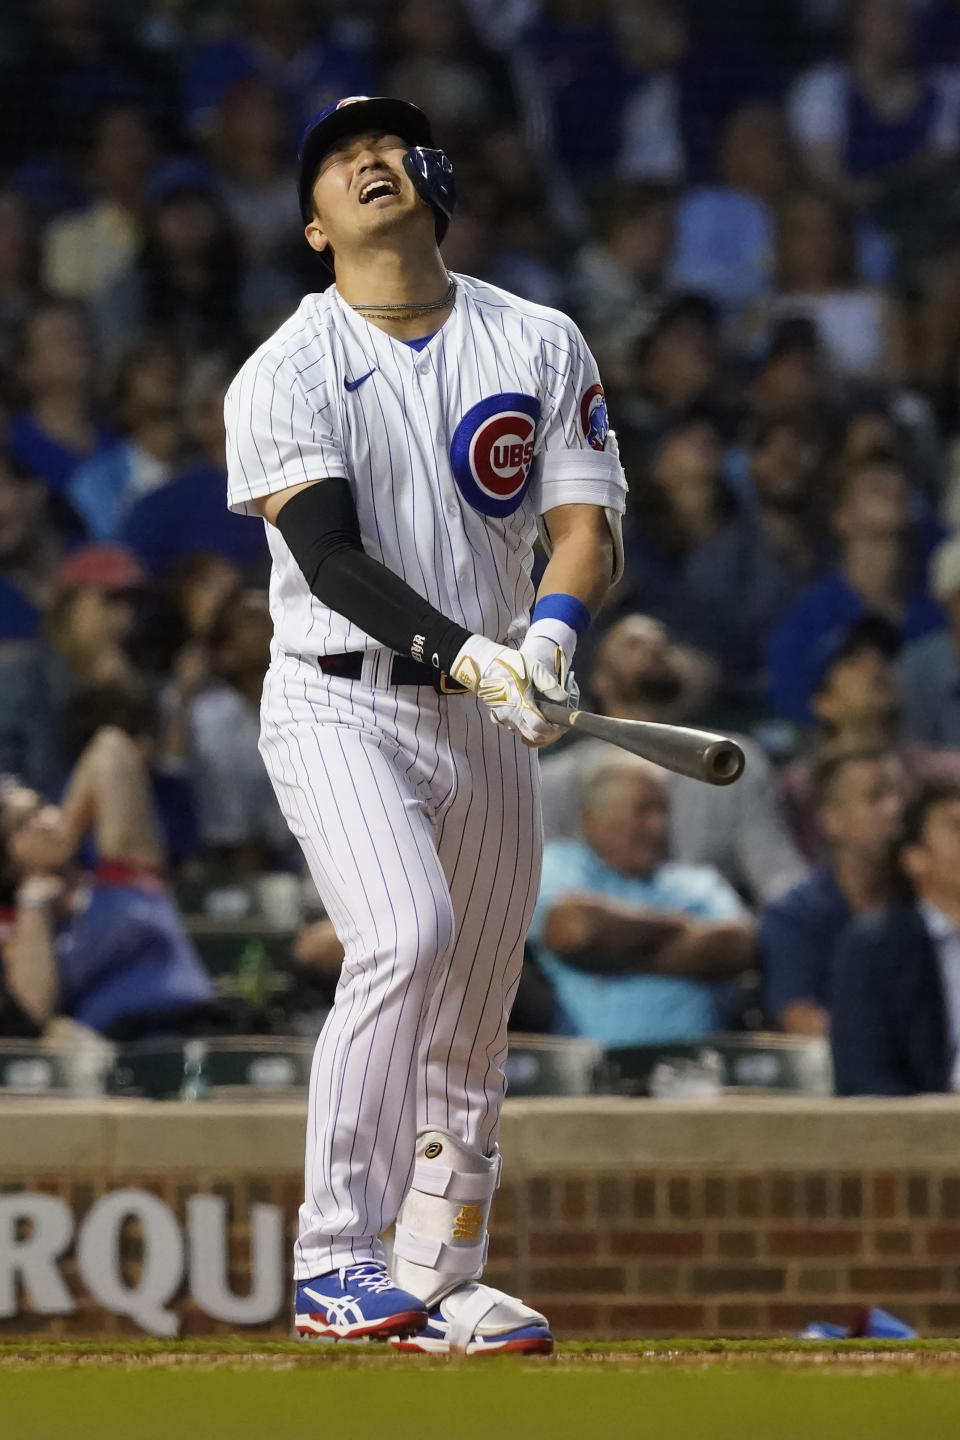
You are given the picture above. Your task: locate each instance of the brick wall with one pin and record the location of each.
(588, 1226)
(752, 1254)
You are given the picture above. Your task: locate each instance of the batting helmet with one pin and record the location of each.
(429, 169)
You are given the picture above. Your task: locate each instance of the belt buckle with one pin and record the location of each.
(446, 686)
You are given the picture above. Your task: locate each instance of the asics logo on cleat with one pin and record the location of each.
(338, 1311)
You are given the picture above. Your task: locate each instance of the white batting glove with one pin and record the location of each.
(502, 679)
(549, 666)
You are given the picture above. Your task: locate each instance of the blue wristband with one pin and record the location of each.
(567, 608)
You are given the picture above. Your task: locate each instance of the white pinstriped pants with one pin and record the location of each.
(420, 821)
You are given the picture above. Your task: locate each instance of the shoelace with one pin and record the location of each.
(370, 1277)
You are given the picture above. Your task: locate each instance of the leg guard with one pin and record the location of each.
(440, 1248)
(441, 1235)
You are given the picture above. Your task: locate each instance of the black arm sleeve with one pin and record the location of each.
(322, 532)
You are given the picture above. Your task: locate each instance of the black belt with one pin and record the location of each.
(404, 670)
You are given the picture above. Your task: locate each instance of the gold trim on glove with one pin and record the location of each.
(464, 677)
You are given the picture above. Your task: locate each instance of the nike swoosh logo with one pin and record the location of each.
(352, 384)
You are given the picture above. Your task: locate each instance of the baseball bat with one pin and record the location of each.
(715, 759)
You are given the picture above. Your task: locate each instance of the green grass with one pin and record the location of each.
(666, 1390)
(503, 1399)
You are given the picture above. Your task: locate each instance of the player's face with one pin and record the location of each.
(362, 190)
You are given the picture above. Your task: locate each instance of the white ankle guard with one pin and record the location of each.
(441, 1234)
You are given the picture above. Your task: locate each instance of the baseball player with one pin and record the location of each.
(404, 434)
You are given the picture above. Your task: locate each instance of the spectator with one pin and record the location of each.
(276, 40)
(872, 120)
(619, 278)
(939, 33)
(783, 461)
(29, 551)
(902, 426)
(641, 674)
(440, 63)
(676, 367)
(529, 257)
(877, 572)
(858, 797)
(74, 62)
(654, 41)
(702, 562)
(90, 618)
(249, 146)
(104, 488)
(930, 668)
(17, 271)
(525, 262)
(85, 250)
(187, 281)
(895, 1025)
(59, 425)
(867, 431)
(198, 587)
(237, 812)
(129, 704)
(858, 701)
(636, 946)
(572, 66)
(725, 231)
(154, 527)
(108, 950)
(859, 327)
(790, 379)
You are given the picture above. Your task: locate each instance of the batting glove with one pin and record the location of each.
(549, 665)
(502, 679)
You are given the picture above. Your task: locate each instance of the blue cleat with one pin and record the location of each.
(357, 1302)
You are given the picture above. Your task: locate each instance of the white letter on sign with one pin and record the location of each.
(34, 1258)
(98, 1255)
(209, 1267)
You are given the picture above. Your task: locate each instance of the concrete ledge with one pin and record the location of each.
(211, 1137)
(115, 1137)
(736, 1132)
(65, 1136)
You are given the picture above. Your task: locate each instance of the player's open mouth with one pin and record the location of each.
(377, 189)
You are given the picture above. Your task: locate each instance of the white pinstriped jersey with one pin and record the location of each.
(452, 451)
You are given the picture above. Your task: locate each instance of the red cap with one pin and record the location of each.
(107, 567)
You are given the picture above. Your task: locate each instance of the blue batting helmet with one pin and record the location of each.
(429, 169)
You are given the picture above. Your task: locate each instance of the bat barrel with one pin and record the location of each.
(701, 754)
(723, 762)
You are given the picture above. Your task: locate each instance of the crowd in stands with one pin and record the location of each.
(753, 212)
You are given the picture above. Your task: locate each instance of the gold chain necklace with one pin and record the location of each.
(407, 310)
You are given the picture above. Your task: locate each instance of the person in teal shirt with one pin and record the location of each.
(639, 949)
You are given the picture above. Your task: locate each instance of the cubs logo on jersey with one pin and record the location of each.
(492, 451)
(593, 417)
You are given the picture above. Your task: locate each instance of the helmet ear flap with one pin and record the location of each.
(431, 174)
